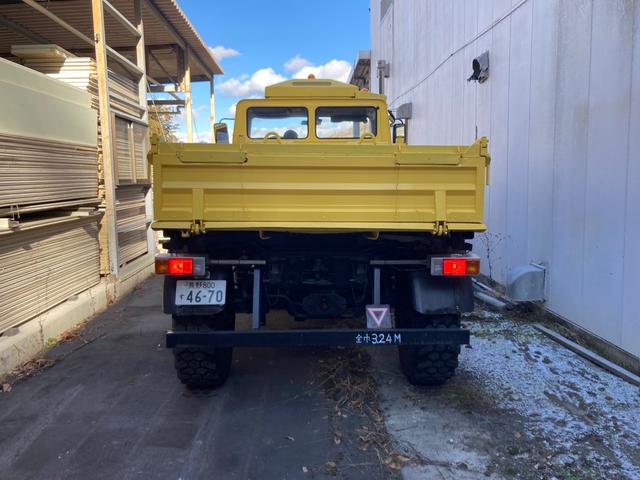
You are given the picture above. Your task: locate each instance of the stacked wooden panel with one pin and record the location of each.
(140, 150)
(40, 174)
(123, 150)
(81, 72)
(132, 222)
(48, 169)
(44, 263)
(47, 143)
(130, 133)
(123, 95)
(131, 145)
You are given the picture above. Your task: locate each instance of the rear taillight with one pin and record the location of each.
(180, 265)
(455, 266)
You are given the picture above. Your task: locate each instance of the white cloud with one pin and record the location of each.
(221, 52)
(296, 63)
(252, 86)
(232, 110)
(246, 86)
(333, 70)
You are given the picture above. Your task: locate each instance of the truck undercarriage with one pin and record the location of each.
(317, 275)
(330, 277)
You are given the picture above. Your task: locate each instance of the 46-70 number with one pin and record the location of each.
(210, 295)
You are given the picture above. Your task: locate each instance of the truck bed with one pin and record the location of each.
(319, 188)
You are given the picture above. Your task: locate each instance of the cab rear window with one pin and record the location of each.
(288, 123)
(345, 122)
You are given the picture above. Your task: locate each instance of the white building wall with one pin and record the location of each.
(561, 109)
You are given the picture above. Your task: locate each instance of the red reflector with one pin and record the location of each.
(454, 266)
(181, 266)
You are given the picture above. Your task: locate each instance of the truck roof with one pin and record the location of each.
(313, 88)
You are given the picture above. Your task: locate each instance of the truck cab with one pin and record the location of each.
(313, 112)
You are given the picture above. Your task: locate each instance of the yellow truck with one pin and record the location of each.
(317, 207)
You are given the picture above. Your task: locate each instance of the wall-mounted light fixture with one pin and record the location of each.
(480, 67)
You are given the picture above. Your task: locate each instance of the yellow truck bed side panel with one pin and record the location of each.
(319, 187)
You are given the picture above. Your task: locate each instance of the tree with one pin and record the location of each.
(162, 124)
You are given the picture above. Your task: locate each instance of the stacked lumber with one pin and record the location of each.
(48, 166)
(123, 95)
(132, 244)
(48, 138)
(36, 172)
(81, 72)
(132, 222)
(48, 260)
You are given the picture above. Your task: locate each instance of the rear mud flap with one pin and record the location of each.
(432, 295)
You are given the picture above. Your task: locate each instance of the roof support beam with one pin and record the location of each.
(161, 103)
(125, 62)
(184, 77)
(160, 17)
(110, 51)
(159, 88)
(108, 221)
(161, 66)
(141, 61)
(212, 110)
(174, 33)
(120, 18)
(20, 30)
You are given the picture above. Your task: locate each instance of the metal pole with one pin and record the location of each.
(376, 286)
(255, 316)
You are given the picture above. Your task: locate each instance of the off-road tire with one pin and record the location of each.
(428, 364)
(203, 367)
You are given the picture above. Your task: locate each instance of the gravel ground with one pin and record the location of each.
(521, 406)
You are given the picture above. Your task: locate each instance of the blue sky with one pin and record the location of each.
(261, 38)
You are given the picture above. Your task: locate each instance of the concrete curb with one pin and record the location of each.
(25, 342)
(589, 355)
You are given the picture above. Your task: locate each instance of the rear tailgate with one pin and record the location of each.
(363, 187)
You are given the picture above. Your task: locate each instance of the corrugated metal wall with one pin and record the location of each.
(562, 111)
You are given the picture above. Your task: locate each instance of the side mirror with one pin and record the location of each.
(222, 133)
(399, 132)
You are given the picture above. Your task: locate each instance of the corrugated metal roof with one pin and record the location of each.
(179, 20)
(78, 14)
(361, 71)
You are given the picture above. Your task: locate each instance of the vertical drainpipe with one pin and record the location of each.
(383, 72)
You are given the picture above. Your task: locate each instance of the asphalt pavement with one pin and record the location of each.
(111, 407)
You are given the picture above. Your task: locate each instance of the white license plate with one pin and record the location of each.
(201, 292)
